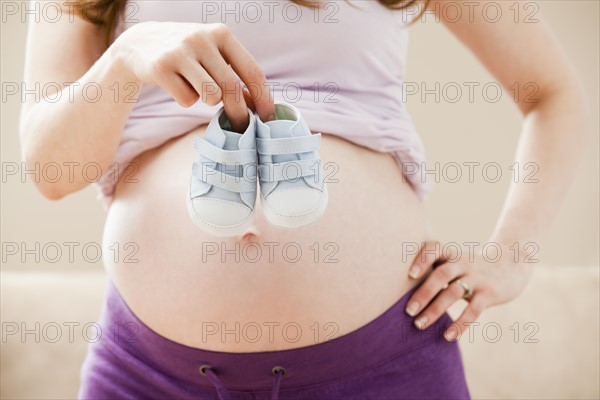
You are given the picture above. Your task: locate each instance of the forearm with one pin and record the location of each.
(553, 139)
(83, 126)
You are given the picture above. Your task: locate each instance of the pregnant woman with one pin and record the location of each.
(351, 306)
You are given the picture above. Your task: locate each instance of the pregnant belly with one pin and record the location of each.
(270, 288)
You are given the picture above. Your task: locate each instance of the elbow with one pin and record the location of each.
(579, 96)
(581, 108)
(570, 100)
(567, 92)
(51, 191)
(47, 176)
(567, 96)
(47, 181)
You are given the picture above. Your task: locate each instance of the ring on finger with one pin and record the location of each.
(468, 291)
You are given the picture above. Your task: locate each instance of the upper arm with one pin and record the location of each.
(59, 52)
(513, 50)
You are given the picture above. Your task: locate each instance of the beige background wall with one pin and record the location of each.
(453, 132)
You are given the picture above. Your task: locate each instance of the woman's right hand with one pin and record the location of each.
(197, 61)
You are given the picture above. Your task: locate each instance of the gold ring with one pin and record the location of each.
(468, 291)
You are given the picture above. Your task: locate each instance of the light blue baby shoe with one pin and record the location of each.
(292, 187)
(222, 191)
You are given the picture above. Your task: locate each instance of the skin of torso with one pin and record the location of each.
(272, 288)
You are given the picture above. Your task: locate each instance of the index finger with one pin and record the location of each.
(428, 254)
(246, 67)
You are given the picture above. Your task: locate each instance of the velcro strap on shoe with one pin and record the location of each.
(207, 173)
(293, 145)
(212, 152)
(288, 170)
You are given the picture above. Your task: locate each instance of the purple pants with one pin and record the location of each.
(386, 359)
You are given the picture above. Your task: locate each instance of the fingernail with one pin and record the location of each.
(270, 118)
(412, 308)
(450, 335)
(414, 272)
(421, 322)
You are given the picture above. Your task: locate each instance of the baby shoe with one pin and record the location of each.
(292, 187)
(222, 190)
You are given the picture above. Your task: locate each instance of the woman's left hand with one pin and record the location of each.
(455, 273)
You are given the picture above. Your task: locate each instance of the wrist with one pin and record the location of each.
(514, 251)
(118, 59)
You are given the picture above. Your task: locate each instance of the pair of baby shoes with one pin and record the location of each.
(281, 154)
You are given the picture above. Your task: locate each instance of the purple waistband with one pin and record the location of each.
(387, 337)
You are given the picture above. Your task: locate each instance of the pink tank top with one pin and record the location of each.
(342, 66)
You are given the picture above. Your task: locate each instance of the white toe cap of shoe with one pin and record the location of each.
(220, 212)
(295, 201)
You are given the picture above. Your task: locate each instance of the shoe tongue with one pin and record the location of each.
(232, 140)
(281, 128)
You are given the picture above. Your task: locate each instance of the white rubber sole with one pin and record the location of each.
(296, 221)
(217, 230)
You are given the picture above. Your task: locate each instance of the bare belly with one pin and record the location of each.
(269, 289)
